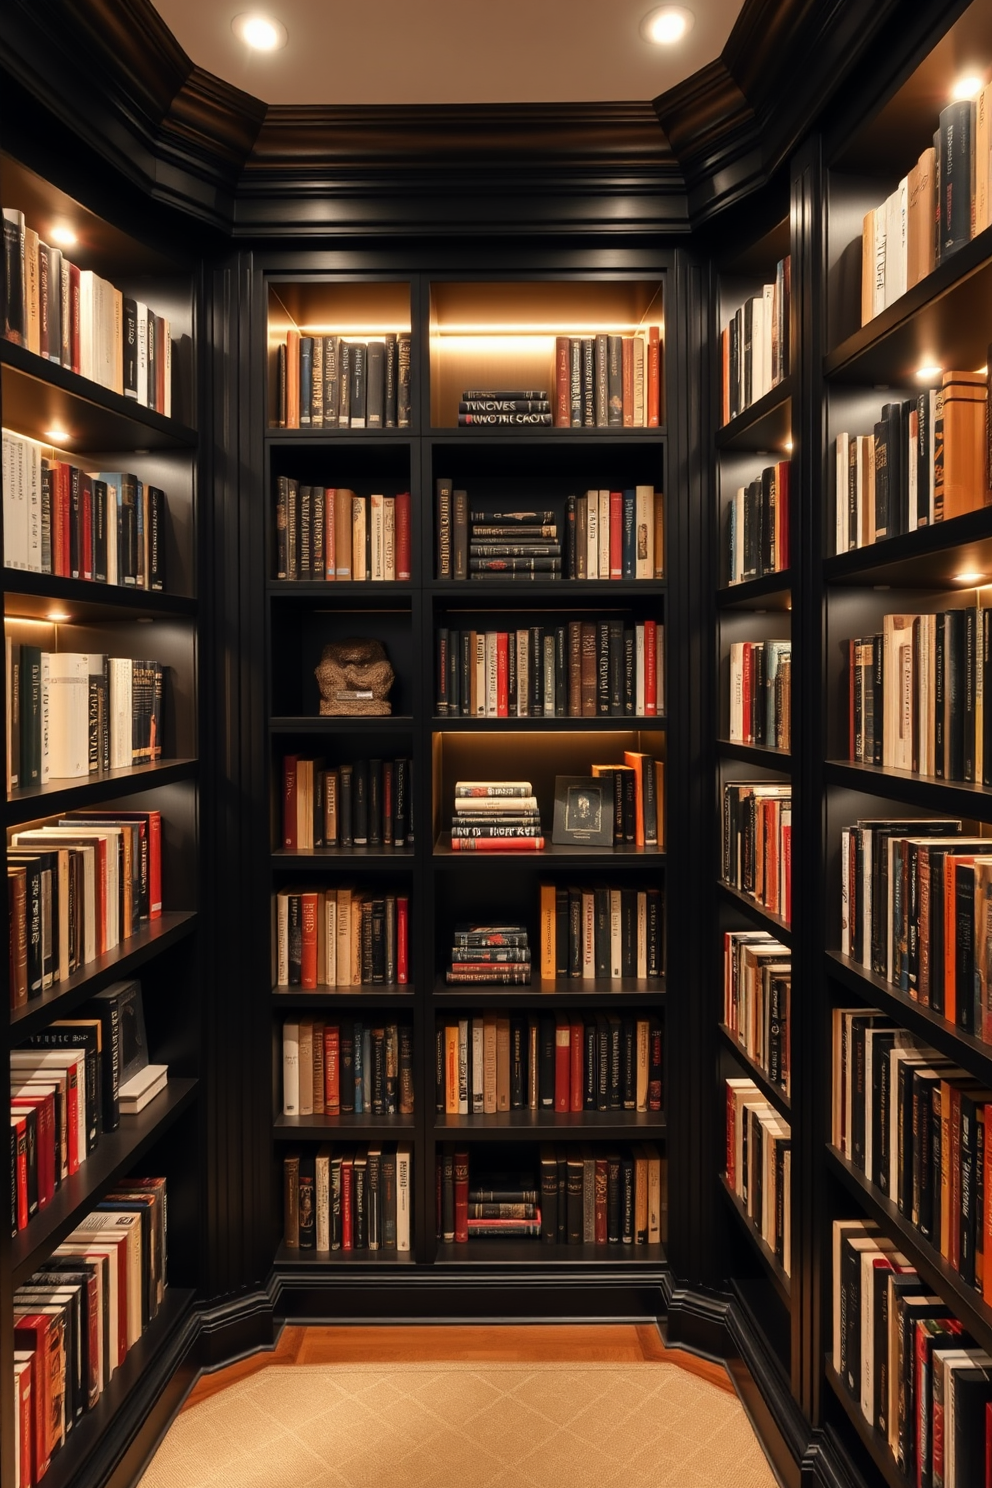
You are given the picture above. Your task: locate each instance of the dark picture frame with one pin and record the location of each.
(583, 811)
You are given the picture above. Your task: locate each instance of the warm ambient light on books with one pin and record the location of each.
(536, 328)
(667, 25)
(63, 237)
(360, 333)
(966, 86)
(787, 446)
(261, 33)
(57, 436)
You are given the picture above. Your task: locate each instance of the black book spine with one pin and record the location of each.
(375, 802)
(588, 382)
(359, 384)
(615, 668)
(956, 131)
(561, 931)
(615, 381)
(629, 671)
(360, 789)
(561, 671)
(546, 1064)
(575, 382)
(391, 382)
(575, 932)
(346, 812)
(376, 385)
(306, 381)
(602, 381)
(403, 389)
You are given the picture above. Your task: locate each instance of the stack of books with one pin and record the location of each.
(330, 534)
(759, 1166)
(489, 1206)
(503, 406)
(754, 345)
(74, 318)
(327, 382)
(345, 1064)
(341, 937)
(349, 1198)
(497, 954)
(496, 816)
(761, 693)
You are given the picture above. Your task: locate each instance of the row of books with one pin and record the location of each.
(754, 345)
(914, 1124)
(74, 318)
(608, 381)
(601, 932)
(341, 937)
(915, 693)
(487, 953)
(349, 1198)
(925, 461)
(496, 816)
(337, 382)
(574, 669)
(368, 803)
(914, 899)
(758, 525)
(759, 1166)
(583, 1195)
(934, 211)
(76, 889)
(602, 534)
(347, 1064)
(332, 534)
(106, 527)
(68, 1086)
(574, 1062)
(72, 713)
(757, 1001)
(78, 1316)
(761, 693)
(907, 1362)
(757, 842)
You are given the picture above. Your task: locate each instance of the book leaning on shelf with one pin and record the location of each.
(569, 1062)
(77, 1317)
(73, 714)
(908, 1364)
(754, 345)
(599, 535)
(349, 1198)
(347, 1064)
(761, 693)
(575, 669)
(758, 526)
(925, 461)
(341, 937)
(759, 1166)
(368, 803)
(337, 382)
(934, 211)
(106, 527)
(74, 318)
(757, 999)
(76, 890)
(757, 842)
(333, 535)
(601, 932)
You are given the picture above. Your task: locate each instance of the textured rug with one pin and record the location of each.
(459, 1426)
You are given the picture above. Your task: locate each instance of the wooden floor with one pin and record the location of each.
(588, 1343)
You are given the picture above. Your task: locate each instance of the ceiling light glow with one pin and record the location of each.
(63, 237)
(260, 32)
(57, 617)
(966, 86)
(56, 436)
(968, 578)
(667, 25)
(928, 372)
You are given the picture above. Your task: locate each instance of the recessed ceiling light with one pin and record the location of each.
(260, 32)
(967, 86)
(787, 446)
(928, 372)
(58, 616)
(968, 578)
(667, 25)
(56, 436)
(63, 237)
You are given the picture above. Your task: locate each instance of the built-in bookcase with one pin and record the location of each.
(80, 422)
(465, 334)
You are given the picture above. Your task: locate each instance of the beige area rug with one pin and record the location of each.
(459, 1426)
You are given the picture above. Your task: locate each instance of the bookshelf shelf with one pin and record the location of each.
(966, 1302)
(374, 591)
(33, 595)
(390, 723)
(288, 1259)
(31, 801)
(537, 434)
(777, 1276)
(541, 725)
(756, 754)
(773, 1093)
(39, 395)
(765, 426)
(342, 857)
(773, 591)
(944, 1036)
(330, 437)
(151, 940)
(871, 1439)
(341, 997)
(534, 1252)
(946, 315)
(618, 992)
(116, 1152)
(601, 1126)
(571, 591)
(925, 791)
(761, 917)
(349, 1125)
(564, 857)
(927, 558)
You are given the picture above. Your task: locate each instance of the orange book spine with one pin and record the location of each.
(292, 379)
(563, 383)
(332, 1070)
(654, 377)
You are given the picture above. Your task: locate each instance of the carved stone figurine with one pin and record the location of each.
(354, 677)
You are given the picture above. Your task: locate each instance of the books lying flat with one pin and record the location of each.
(142, 1088)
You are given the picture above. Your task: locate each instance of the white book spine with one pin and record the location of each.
(167, 409)
(616, 934)
(642, 933)
(463, 1057)
(478, 1052)
(322, 1199)
(841, 524)
(291, 1069)
(644, 509)
(404, 1194)
(389, 538)
(377, 540)
(592, 534)
(282, 940)
(492, 651)
(328, 972)
(141, 319)
(68, 715)
(480, 674)
(603, 528)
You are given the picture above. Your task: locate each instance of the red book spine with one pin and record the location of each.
(616, 534)
(61, 519)
(86, 546)
(402, 939)
(563, 1060)
(74, 1133)
(563, 383)
(347, 1203)
(650, 669)
(461, 1198)
(330, 534)
(22, 1174)
(627, 368)
(289, 801)
(46, 1151)
(33, 1333)
(747, 682)
(308, 963)
(654, 378)
(497, 844)
(25, 1423)
(74, 318)
(654, 1086)
(602, 1183)
(332, 1069)
(154, 865)
(402, 537)
(920, 1400)
(576, 1074)
(502, 675)
(787, 873)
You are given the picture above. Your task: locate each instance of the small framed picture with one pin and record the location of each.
(583, 811)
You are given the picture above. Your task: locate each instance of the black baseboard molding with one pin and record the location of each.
(827, 1464)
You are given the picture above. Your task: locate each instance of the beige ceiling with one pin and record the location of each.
(449, 51)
